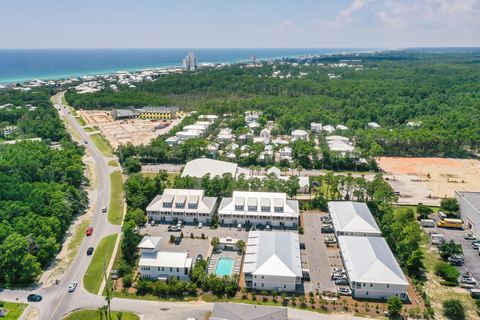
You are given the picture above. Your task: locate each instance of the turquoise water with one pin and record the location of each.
(224, 267)
(19, 65)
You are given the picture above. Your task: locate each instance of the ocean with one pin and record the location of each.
(20, 65)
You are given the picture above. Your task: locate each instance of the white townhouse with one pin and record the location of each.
(272, 261)
(353, 219)
(162, 265)
(339, 144)
(372, 270)
(198, 168)
(328, 128)
(182, 204)
(316, 127)
(264, 208)
(299, 135)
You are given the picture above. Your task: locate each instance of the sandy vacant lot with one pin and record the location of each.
(428, 180)
(136, 131)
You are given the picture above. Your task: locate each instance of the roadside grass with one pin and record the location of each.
(102, 144)
(89, 129)
(115, 212)
(94, 315)
(150, 297)
(95, 272)
(15, 310)
(80, 121)
(171, 176)
(113, 163)
(77, 238)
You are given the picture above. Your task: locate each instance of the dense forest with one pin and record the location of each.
(40, 187)
(439, 92)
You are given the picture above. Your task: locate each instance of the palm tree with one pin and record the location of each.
(299, 169)
(240, 245)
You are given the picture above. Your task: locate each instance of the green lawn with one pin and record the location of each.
(93, 315)
(77, 238)
(113, 163)
(150, 297)
(80, 121)
(15, 310)
(115, 212)
(101, 257)
(102, 144)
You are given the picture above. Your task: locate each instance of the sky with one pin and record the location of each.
(239, 23)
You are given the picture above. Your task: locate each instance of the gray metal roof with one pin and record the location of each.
(472, 197)
(349, 216)
(275, 253)
(199, 167)
(240, 311)
(370, 260)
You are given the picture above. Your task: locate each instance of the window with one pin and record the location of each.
(263, 277)
(262, 284)
(163, 269)
(388, 286)
(178, 270)
(192, 206)
(171, 269)
(284, 286)
(366, 293)
(371, 285)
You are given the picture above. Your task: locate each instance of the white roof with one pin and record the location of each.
(165, 259)
(370, 260)
(199, 167)
(328, 128)
(349, 216)
(299, 132)
(149, 242)
(373, 125)
(274, 253)
(204, 204)
(339, 144)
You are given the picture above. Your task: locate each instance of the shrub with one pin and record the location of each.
(453, 309)
(394, 305)
(448, 272)
(127, 281)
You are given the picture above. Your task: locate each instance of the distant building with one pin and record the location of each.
(190, 62)
(328, 128)
(215, 168)
(182, 204)
(272, 261)
(339, 144)
(469, 203)
(373, 125)
(259, 208)
(315, 127)
(299, 135)
(148, 112)
(119, 114)
(240, 311)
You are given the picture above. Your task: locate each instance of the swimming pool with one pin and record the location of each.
(224, 267)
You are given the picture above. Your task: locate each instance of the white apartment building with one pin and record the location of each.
(272, 261)
(264, 208)
(373, 272)
(182, 204)
(299, 135)
(162, 265)
(353, 219)
(315, 127)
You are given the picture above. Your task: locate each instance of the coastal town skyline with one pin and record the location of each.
(247, 24)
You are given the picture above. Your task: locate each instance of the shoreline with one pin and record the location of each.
(166, 66)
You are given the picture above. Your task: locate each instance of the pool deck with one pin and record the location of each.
(237, 265)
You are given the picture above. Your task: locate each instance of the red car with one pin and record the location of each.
(89, 231)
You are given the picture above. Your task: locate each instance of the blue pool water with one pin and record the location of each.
(224, 267)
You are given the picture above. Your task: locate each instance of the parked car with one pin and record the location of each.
(153, 223)
(344, 291)
(441, 215)
(180, 223)
(268, 227)
(338, 275)
(341, 270)
(104, 209)
(178, 240)
(89, 231)
(305, 275)
(325, 219)
(327, 225)
(329, 240)
(239, 227)
(456, 260)
(467, 278)
(174, 228)
(341, 282)
(466, 286)
(199, 257)
(200, 225)
(327, 229)
(476, 244)
(72, 286)
(34, 298)
(89, 251)
(114, 274)
(469, 236)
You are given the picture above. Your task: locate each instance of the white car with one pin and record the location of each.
(200, 225)
(72, 286)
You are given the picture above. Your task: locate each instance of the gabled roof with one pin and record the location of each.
(165, 259)
(274, 253)
(370, 260)
(149, 242)
(349, 216)
(240, 311)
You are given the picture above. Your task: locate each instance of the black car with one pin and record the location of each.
(34, 298)
(327, 230)
(199, 257)
(305, 275)
(178, 240)
(89, 251)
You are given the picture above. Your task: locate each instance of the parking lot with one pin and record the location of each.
(471, 257)
(318, 259)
